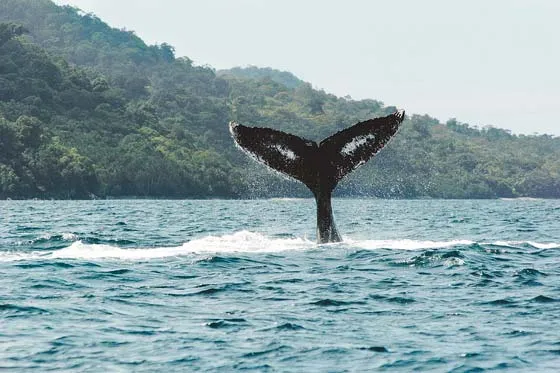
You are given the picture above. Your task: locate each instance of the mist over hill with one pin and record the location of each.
(87, 111)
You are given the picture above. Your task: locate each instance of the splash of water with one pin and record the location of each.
(243, 241)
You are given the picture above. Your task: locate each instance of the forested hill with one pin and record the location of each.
(258, 73)
(87, 110)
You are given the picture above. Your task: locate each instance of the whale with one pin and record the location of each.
(320, 166)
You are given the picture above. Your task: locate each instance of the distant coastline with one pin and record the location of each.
(100, 112)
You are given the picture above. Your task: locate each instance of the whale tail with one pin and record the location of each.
(319, 166)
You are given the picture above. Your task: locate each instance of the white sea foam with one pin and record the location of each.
(538, 245)
(64, 236)
(406, 244)
(243, 241)
(239, 242)
(11, 256)
(289, 199)
(522, 199)
(69, 236)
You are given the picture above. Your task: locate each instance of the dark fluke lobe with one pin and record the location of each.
(319, 166)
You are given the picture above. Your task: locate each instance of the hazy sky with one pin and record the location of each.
(483, 62)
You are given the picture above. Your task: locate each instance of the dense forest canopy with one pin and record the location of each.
(88, 111)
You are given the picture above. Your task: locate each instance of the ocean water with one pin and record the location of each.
(214, 285)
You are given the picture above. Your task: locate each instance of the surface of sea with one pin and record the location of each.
(216, 285)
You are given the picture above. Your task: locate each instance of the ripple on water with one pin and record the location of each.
(375, 349)
(335, 303)
(177, 286)
(502, 302)
(393, 299)
(227, 323)
(544, 299)
(528, 273)
(44, 264)
(288, 326)
(14, 310)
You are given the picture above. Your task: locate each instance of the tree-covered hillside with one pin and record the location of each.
(89, 110)
(284, 78)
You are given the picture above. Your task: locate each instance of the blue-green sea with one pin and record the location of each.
(226, 285)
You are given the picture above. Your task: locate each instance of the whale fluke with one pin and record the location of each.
(319, 166)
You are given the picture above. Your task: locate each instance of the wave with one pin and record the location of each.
(538, 245)
(289, 199)
(47, 238)
(242, 242)
(407, 244)
(522, 199)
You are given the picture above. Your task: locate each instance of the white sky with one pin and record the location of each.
(484, 62)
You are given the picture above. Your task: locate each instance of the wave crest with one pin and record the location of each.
(241, 242)
(407, 244)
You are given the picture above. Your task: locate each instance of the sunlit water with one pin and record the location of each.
(211, 285)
